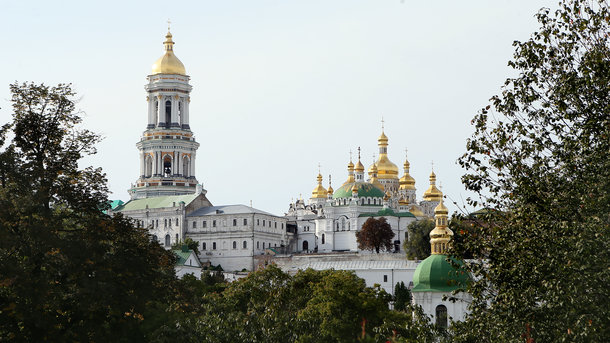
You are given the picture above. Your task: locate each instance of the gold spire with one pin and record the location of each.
(319, 192)
(433, 193)
(350, 170)
(440, 236)
(359, 166)
(385, 168)
(168, 63)
(407, 181)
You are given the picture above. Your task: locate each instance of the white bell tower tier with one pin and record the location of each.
(167, 148)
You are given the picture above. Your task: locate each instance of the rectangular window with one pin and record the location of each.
(245, 221)
(194, 225)
(204, 224)
(176, 221)
(263, 222)
(213, 245)
(385, 278)
(203, 246)
(213, 223)
(258, 222)
(275, 225)
(234, 222)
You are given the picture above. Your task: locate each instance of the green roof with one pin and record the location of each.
(157, 202)
(436, 274)
(116, 203)
(387, 212)
(182, 256)
(365, 190)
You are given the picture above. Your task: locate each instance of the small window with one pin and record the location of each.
(275, 225)
(234, 245)
(323, 239)
(203, 246)
(164, 222)
(258, 222)
(263, 245)
(244, 245)
(194, 225)
(154, 238)
(213, 245)
(441, 316)
(176, 221)
(204, 224)
(177, 238)
(167, 241)
(245, 221)
(282, 226)
(213, 223)
(234, 222)
(385, 278)
(263, 222)
(257, 245)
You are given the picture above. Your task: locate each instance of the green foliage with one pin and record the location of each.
(68, 272)
(402, 297)
(417, 247)
(375, 234)
(540, 160)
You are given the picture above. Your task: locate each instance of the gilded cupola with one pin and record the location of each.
(168, 63)
(350, 172)
(441, 235)
(319, 192)
(433, 193)
(407, 181)
(330, 190)
(385, 168)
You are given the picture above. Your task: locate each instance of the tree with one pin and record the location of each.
(376, 234)
(539, 158)
(68, 272)
(402, 297)
(417, 247)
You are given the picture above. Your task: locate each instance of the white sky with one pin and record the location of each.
(278, 86)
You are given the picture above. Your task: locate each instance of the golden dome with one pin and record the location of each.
(372, 169)
(168, 63)
(407, 181)
(385, 168)
(319, 192)
(416, 211)
(441, 235)
(433, 193)
(383, 139)
(350, 173)
(359, 167)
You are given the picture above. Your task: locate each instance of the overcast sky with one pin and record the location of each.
(278, 86)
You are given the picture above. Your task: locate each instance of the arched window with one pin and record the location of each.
(234, 245)
(167, 165)
(244, 245)
(323, 239)
(168, 113)
(263, 245)
(441, 316)
(154, 238)
(369, 201)
(305, 245)
(203, 246)
(257, 245)
(213, 245)
(342, 224)
(234, 222)
(348, 226)
(177, 238)
(167, 240)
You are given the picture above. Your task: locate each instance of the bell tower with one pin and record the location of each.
(167, 148)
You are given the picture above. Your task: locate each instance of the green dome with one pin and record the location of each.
(436, 274)
(365, 190)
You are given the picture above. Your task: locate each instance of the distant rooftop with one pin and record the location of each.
(156, 202)
(227, 209)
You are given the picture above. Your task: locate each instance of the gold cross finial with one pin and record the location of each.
(382, 124)
(350, 155)
(432, 165)
(169, 23)
(358, 153)
(318, 167)
(406, 152)
(329, 179)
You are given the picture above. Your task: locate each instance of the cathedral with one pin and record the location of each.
(330, 220)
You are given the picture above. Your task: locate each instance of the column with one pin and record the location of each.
(179, 165)
(175, 111)
(142, 164)
(185, 120)
(192, 164)
(151, 112)
(161, 111)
